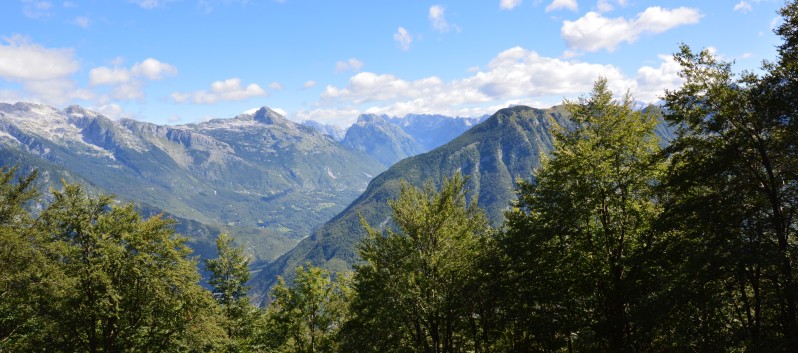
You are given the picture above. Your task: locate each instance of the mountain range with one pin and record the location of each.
(391, 139)
(493, 155)
(266, 180)
(291, 193)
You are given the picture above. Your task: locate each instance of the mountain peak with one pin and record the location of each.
(76, 111)
(370, 119)
(267, 116)
(22, 107)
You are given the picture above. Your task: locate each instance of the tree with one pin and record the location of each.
(306, 317)
(229, 276)
(24, 271)
(580, 233)
(410, 292)
(128, 284)
(733, 195)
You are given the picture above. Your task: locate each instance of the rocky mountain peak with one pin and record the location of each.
(267, 116)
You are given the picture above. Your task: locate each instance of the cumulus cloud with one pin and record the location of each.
(108, 76)
(127, 83)
(351, 64)
(403, 37)
(514, 76)
(438, 20)
(276, 86)
(150, 69)
(594, 32)
(227, 90)
(562, 4)
(742, 6)
(309, 84)
(22, 60)
(153, 69)
(42, 72)
(509, 4)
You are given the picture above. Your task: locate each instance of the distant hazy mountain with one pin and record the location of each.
(493, 154)
(432, 131)
(259, 176)
(391, 139)
(334, 131)
(386, 142)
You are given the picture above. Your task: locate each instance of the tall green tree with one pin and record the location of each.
(307, 316)
(128, 284)
(410, 293)
(733, 195)
(580, 233)
(25, 274)
(229, 277)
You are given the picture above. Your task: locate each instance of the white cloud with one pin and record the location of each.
(128, 83)
(108, 76)
(509, 4)
(562, 4)
(438, 20)
(113, 111)
(128, 91)
(179, 97)
(43, 73)
(351, 64)
(276, 86)
(604, 6)
(82, 21)
(403, 37)
(22, 60)
(150, 4)
(651, 82)
(150, 69)
(594, 32)
(514, 76)
(153, 69)
(742, 6)
(36, 8)
(227, 90)
(309, 84)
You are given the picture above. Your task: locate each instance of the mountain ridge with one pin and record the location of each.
(257, 174)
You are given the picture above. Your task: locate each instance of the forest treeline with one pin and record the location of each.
(614, 245)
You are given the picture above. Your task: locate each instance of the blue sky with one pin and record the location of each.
(184, 61)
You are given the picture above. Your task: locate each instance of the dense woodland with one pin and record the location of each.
(614, 245)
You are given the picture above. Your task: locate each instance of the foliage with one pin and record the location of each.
(91, 276)
(306, 317)
(579, 232)
(733, 196)
(410, 294)
(229, 276)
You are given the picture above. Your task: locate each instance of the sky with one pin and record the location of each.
(187, 61)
